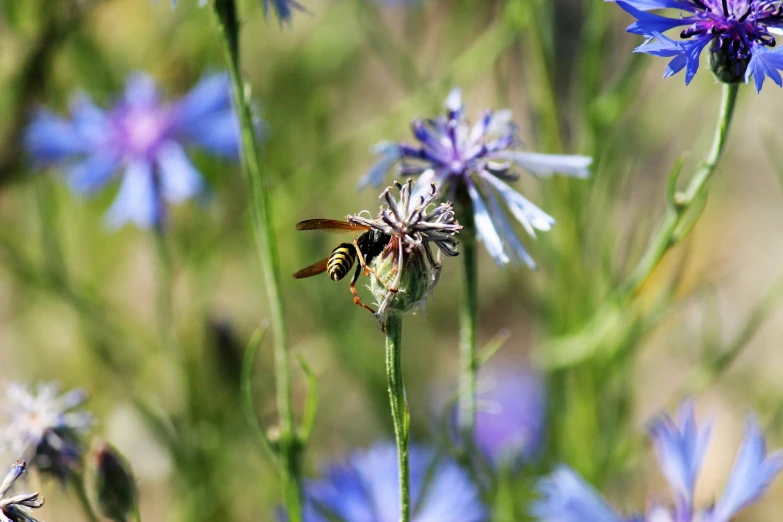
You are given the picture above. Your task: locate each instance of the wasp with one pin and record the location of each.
(365, 247)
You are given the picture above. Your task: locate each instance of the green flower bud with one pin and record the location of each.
(113, 483)
(726, 68)
(415, 277)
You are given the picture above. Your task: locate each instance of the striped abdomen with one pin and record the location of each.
(340, 261)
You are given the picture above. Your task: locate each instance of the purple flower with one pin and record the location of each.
(679, 446)
(284, 9)
(17, 508)
(44, 428)
(144, 139)
(740, 33)
(474, 163)
(364, 489)
(510, 416)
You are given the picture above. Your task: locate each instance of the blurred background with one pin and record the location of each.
(78, 299)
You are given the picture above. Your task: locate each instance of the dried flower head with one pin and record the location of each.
(43, 429)
(17, 508)
(406, 271)
(740, 33)
(474, 163)
(680, 447)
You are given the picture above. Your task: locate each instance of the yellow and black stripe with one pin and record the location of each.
(340, 261)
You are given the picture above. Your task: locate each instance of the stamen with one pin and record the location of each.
(725, 8)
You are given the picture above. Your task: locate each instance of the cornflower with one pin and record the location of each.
(44, 429)
(741, 35)
(406, 272)
(144, 138)
(17, 508)
(363, 488)
(680, 448)
(476, 162)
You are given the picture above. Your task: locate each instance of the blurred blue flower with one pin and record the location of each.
(364, 488)
(17, 508)
(740, 33)
(511, 414)
(43, 428)
(143, 137)
(476, 161)
(284, 9)
(680, 448)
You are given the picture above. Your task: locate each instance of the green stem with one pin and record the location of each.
(263, 227)
(165, 295)
(686, 205)
(399, 409)
(466, 410)
(77, 483)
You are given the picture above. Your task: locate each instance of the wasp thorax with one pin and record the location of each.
(402, 281)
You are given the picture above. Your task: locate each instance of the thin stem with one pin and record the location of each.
(263, 227)
(165, 294)
(399, 409)
(687, 204)
(466, 410)
(77, 483)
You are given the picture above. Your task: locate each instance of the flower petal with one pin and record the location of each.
(765, 63)
(507, 233)
(649, 5)
(179, 179)
(753, 472)
(138, 199)
(568, 498)
(648, 23)
(531, 217)
(92, 173)
(680, 449)
(485, 229)
(390, 154)
(544, 165)
(50, 138)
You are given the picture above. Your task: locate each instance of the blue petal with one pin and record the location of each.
(507, 233)
(649, 5)
(544, 165)
(450, 495)
(649, 23)
(90, 121)
(50, 138)
(683, 54)
(485, 229)
(179, 179)
(141, 91)
(680, 449)
(283, 9)
(92, 173)
(765, 63)
(138, 200)
(753, 472)
(454, 102)
(568, 498)
(390, 154)
(531, 217)
(210, 95)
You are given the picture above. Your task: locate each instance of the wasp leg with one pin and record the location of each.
(356, 298)
(368, 270)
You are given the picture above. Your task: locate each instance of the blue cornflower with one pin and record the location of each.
(680, 448)
(477, 160)
(740, 33)
(143, 137)
(364, 488)
(284, 9)
(510, 416)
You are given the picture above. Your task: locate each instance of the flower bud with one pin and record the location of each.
(726, 67)
(415, 277)
(113, 483)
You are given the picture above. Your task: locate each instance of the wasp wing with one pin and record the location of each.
(314, 269)
(330, 225)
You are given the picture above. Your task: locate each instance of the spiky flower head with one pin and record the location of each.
(364, 488)
(472, 165)
(43, 428)
(680, 447)
(17, 508)
(740, 35)
(407, 271)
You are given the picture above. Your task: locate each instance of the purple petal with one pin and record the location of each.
(390, 154)
(568, 498)
(680, 449)
(179, 179)
(753, 473)
(141, 91)
(138, 200)
(544, 165)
